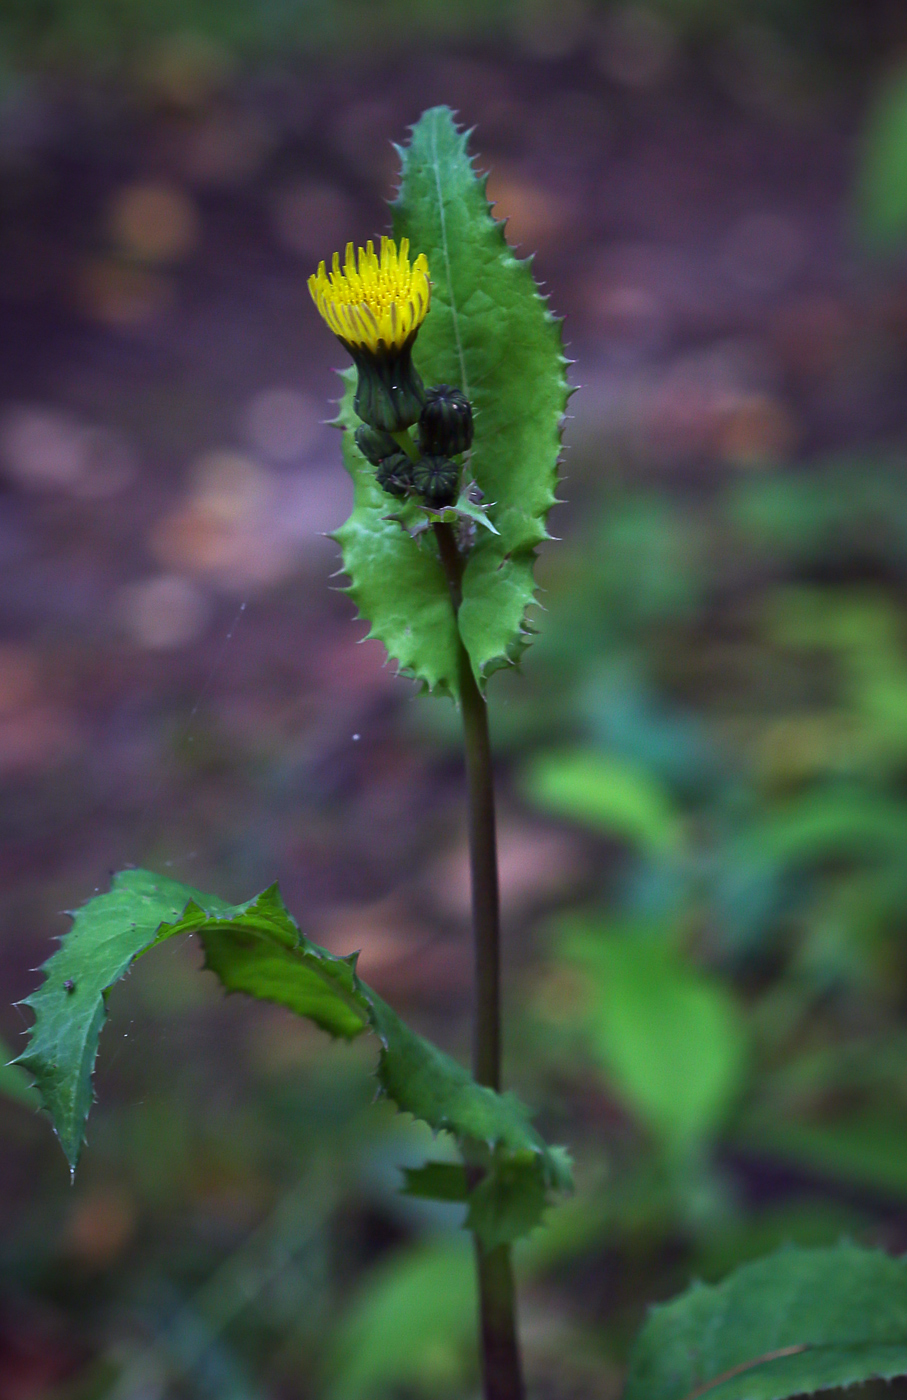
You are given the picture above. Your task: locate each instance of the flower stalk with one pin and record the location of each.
(501, 1366)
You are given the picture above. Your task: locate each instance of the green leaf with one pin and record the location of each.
(417, 518)
(489, 333)
(799, 1321)
(507, 1204)
(504, 1205)
(669, 1036)
(142, 909)
(257, 948)
(841, 820)
(468, 507)
(882, 193)
(611, 795)
(412, 1325)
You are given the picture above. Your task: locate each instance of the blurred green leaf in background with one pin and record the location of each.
(882, 190)
(613, 797)
(797, 1322)
(412, 1324)
(670, 1038)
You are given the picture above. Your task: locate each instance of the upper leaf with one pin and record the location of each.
(796, 1322)
(258, 948)
(489, 333)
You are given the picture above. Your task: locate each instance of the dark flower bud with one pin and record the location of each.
(374, 445)
(445, 423)
(390, 392)
(395, 474)
(437, 479)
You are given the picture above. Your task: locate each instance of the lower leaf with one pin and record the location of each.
(258, 948)
(797, 1322)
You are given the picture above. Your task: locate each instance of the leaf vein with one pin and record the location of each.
(747, 1366)
(445, 249)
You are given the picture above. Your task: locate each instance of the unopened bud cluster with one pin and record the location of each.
(445, 430)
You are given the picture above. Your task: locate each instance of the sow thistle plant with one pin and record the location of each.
(451, 419)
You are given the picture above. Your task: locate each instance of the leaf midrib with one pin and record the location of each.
(818, 1349)
(445, 249)
(757, 1361)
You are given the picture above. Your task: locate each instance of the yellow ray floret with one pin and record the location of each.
(382, 301)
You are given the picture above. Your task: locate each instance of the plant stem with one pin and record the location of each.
(406, 444)
(502, 1371)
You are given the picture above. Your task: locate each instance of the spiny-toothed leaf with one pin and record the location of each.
(142, 909)
(799, 1321)
(424, 1081)
(504, 1204)
(257, 948)
(489, 333)
(441, 1092)
(395, 582)
(507, 1203)
(468, 507)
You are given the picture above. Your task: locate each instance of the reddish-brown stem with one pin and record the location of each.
(501, 1367)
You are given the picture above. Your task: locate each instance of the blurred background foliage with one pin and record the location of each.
(101, 35)
(703, 766)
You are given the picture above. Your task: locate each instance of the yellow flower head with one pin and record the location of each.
(378, 304)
